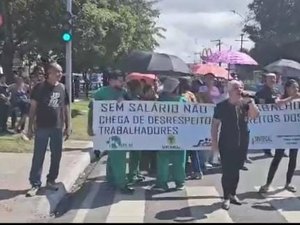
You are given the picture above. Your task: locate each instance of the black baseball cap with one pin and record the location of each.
(115, 75)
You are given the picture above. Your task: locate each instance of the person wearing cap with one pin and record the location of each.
(170, 92)
(268, 95)
(116, 162)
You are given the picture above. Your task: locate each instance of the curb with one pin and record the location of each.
(47, 204)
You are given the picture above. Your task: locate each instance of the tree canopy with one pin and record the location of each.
(103, 30)
(274, 27)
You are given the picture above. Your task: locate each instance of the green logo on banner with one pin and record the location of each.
(115, 142)
(171, 140)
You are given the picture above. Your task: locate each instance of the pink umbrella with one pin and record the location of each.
(202, 69)
(232, 57)
(149, 78)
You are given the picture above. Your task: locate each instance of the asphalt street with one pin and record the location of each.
(94, 201)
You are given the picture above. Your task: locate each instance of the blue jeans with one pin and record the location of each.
(198, 159)
(41, 140)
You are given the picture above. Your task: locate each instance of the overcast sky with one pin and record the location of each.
(191, 24)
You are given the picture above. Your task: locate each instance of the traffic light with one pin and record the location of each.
(66, 36)
(67, 27)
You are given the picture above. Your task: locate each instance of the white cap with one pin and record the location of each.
(270, 75)
(170, 84)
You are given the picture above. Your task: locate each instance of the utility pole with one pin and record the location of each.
(219, 44)
(69, 57)
(242, 40)
(195, 57)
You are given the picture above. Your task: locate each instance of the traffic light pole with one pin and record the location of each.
(69, 59)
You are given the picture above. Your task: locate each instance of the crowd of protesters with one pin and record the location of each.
(44, 94)
(227, 96)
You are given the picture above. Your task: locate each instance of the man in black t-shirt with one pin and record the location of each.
(48, 119)
(268, 95)
(232, 116)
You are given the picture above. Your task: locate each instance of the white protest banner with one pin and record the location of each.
(145, 125)
(276, 127)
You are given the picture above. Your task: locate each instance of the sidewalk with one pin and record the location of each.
(14, 172)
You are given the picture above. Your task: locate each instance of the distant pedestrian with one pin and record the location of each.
(49, 121)
(4, 105)
(20, 101)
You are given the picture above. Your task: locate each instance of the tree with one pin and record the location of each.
(103, 30)
(273, 25)
(30, 29)
(114, 28)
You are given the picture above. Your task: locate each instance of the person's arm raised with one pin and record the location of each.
(253, 111)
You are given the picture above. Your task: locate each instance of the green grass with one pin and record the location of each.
(15, 143)
(79, 121)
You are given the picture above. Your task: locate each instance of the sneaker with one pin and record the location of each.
(248, 161)
(127, 190)
(180, 187)
(264, 189)
(32, 191)
(51, 185)
(235, 200)
(290, 188)
(208, 165)
(269, 154)
(226, 204)
(159, 188)
(197, 176)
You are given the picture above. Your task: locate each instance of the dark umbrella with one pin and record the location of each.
(152, 62)
(285, 67)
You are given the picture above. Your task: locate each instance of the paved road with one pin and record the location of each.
(94, 201)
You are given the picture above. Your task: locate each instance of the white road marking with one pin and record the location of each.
(210, 200)
(285, 202)
(88, 201)
(128, 208)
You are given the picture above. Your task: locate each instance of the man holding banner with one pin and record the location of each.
(116, 162)
(232, 115)
(177, 158)
(134, 90)
(268, 95)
